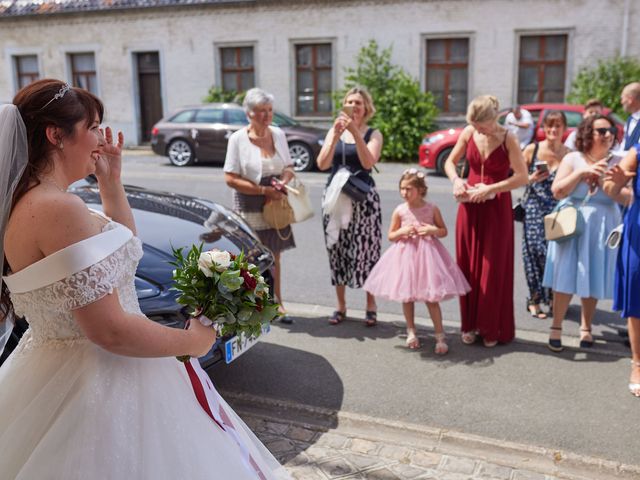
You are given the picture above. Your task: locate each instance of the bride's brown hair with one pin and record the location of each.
(40, 108)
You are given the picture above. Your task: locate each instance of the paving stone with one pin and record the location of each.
(278, 447)
(528, 475)
(425, 459)
(365, 461)
(396, 452)
(302, 434)
(407, 471)
(453, 476)
(307, 473)
(316, 453)
(337, 467)
(458, 464)
(332, 440)
(382, 474)
(277, 428)
(494, 472)
(363, 446)
(297, 460)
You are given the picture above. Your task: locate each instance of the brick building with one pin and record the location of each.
(146, 57)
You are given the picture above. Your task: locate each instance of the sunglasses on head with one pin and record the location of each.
(603, 131)
(413, 171)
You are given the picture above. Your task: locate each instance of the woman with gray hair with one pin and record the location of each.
(256, 155)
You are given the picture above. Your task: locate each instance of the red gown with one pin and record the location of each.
(484, 250)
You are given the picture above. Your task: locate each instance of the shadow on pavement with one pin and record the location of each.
(354, 328)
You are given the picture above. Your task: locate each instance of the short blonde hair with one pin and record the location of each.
(369, 108)
(482, 109)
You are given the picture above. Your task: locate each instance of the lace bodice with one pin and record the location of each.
(48, 308)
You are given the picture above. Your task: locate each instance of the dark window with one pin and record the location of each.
(313, 79)
(542, 68)
(83, 71)
(26, 69)
(236, 117)
(237, 70)
(210, 115)
(448, 72)
(182, 117)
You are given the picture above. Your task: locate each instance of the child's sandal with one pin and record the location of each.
(370, 318)
(412, 340)
(441, 345)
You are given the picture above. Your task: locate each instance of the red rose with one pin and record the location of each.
(249, 282)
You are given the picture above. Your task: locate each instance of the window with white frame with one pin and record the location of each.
(237, 68)
(83, 71)
(542, 68)
(314, 74)
(447, 74)
(26, 69)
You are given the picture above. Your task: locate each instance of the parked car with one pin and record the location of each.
(164, 220)
(437, 146)
(201, 133)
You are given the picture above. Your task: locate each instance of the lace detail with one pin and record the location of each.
(48, 310)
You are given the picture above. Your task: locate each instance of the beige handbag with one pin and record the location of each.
(278, 213)
(565, 221)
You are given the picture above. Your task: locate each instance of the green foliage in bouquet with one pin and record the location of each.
(224, 288)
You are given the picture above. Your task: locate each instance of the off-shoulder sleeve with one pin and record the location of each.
(91, 284)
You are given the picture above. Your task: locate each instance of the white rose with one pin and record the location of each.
(205, 263)
(221, 259)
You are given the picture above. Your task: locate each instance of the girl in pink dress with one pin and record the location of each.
(417, 267)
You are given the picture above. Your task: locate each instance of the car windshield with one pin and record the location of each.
(281, 120)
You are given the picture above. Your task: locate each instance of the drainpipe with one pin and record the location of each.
(625, 28)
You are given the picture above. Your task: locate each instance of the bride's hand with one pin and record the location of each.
(109, 165)
(203, 336)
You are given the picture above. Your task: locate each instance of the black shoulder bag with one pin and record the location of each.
(355, 188)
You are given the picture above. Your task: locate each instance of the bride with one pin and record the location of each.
(93, 389)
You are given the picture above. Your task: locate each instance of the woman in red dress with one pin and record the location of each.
(484, 227)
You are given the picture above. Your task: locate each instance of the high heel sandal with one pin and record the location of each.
(412, 340)
(536, 312)
(441, 345)
(370, 318)
(586, 343)
(634, 388)
(555, 344)
(468, 338)
(337, 317)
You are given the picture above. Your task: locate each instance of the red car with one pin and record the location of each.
(437, 146)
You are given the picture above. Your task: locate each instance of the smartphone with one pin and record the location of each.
(542, 166)
(348, 110)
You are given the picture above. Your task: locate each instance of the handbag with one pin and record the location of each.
(278, 213)
(299, 200)
(355, 188)
(565, 221)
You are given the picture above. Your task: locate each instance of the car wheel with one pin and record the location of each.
(462, 168)
(180, 153)
(302, 156)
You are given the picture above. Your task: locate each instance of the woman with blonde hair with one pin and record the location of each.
(353, 231)
(484, 226)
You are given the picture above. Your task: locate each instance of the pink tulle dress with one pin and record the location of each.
(416, 269)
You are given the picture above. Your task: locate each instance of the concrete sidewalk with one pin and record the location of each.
(311, 447)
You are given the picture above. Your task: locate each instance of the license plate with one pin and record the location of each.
(234, 348)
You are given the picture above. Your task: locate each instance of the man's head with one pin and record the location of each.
(592, 107)
(630, 97)
(517, 111)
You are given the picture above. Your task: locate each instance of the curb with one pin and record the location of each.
(565, 465)
(530, 337)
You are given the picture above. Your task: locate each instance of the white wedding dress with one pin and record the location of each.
(71, 410)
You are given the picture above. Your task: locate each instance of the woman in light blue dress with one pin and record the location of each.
(583, 265)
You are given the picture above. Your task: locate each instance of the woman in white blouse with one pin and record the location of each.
(255, 155)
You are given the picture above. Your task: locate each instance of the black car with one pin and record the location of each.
(165, 220)
(201, 133)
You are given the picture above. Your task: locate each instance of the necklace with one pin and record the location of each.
(594, 160)
(51, 182)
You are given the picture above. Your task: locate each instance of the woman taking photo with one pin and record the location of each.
(543, 160)
(484, 226)
(353, 246)
(583, 265)
(257, 154)
(627, 286)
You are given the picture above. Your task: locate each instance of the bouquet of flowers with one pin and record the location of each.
(225, 288)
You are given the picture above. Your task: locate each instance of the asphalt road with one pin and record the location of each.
(576, 401)
(306, 276)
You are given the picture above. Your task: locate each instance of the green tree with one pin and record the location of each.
(403, 112)
(218, 95)
(605, 81)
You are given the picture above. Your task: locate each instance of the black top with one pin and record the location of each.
(351, 160)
